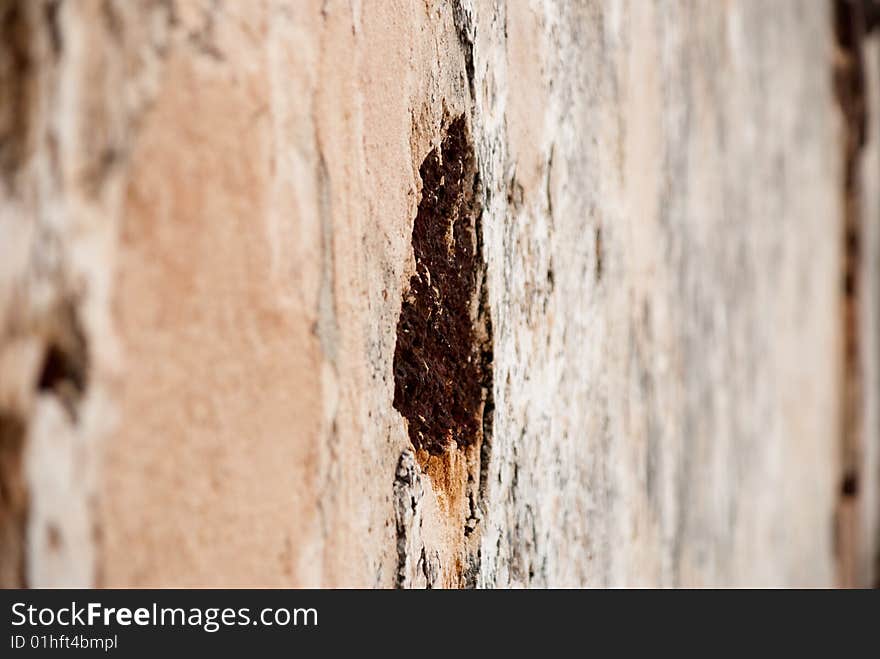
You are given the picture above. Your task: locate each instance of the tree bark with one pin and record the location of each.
(439, 294)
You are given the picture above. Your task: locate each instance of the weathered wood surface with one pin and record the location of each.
(206, 242)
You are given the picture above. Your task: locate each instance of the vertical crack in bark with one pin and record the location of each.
(442, 360)
(17, 98)
(852, 21)
(464, 28)
(13, 501)
(17, 87)
(407, 495)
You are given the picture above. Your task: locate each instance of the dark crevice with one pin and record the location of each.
(488, 361)
(850, 485)
(13, 501)
(442, 360)
(471, 572)
(65, 365)
(17, 87)
(464, 29)
(53, 23)
(853, 19)
(406, 499)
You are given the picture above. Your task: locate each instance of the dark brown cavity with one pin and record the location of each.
(442, 361)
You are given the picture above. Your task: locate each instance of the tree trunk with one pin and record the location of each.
(439, 294)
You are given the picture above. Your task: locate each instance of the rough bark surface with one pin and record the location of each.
(217, 220)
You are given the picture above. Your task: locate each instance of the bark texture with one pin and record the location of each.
(439, 294)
